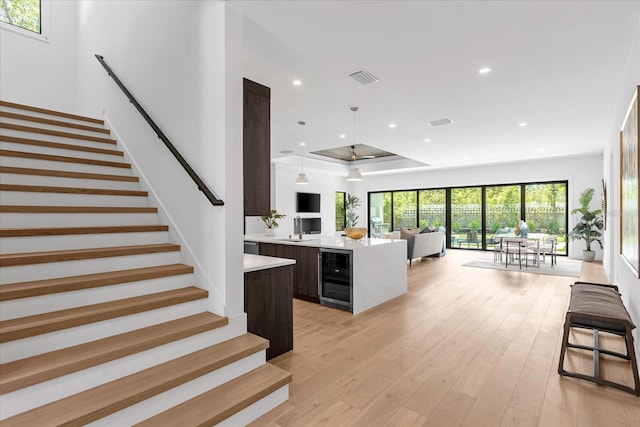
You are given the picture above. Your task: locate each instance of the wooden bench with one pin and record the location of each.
(599, 307)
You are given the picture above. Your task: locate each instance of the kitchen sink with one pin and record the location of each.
(295, 239)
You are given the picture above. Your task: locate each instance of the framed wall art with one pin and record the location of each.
(629, 190)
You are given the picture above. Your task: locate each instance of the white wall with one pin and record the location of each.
(618, 271)
(319, 182)
(179, 60)
(42, 73)
(581, 172)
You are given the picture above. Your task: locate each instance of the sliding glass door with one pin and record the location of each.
(466, 217)
(379, 214)
(432, 208)
(474, 216)
(503, 211)
(546, 212)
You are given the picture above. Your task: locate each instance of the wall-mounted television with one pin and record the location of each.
(307, 202)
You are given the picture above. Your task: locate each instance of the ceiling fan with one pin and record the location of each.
(355, 157)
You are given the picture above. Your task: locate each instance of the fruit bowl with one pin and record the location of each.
(355, 233)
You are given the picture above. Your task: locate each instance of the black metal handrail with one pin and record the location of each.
(199, 182)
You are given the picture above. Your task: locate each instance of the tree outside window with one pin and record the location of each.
(341, 213)
(25, 14)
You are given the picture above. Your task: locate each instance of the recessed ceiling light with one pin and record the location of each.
(302, 144)
(342, 135)
(427, 140)
(488, 145)
(297, 82)
(540, 149)
(522, 125)
(484, 70)
(392, 125)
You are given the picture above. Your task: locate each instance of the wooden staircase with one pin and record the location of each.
(100, 322)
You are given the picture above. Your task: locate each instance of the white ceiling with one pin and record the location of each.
(555, 65)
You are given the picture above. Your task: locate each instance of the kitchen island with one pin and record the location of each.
(378, 266)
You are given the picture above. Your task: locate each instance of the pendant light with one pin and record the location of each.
(302, 178)
(354, 173)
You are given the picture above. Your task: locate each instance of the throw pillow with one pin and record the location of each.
(429, 229)
(406, 232)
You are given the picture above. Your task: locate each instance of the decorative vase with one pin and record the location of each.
(588, 256)
(269, 231)
(517, 230)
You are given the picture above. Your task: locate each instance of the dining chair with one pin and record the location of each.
(497, 249)
(512, 247)
(550, 247)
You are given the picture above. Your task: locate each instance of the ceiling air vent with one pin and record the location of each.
(286, 152)
(440, 122)
(363, 77)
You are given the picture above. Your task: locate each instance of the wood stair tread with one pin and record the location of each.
(53, 122)
(50, 112)
(32, 288)
(60, 231)
(71, 190)
(43, 367)
(59, 145)
(70, 135)
(38, 324)
(76, 209)
(100, 401)
(67, 174)
(7, 260)
(222, 402)
(64, 159)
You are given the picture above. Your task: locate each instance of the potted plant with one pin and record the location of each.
(589, 225)
(271, 221)
(352, 202)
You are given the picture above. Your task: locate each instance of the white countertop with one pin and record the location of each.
(259, 262)
(321, 241)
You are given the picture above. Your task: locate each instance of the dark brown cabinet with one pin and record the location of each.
(269, 307)
(307, 273)
(305, 277)
(256, 141)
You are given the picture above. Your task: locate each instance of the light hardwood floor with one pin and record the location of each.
(465, 346)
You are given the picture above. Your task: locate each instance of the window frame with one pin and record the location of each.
(483, 187)
(43, 35)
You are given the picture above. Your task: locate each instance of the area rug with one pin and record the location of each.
(564, 267)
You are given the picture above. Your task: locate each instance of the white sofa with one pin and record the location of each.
(425, 244)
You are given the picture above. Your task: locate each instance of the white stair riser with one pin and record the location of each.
(28, 148)
(49, 116)
(257, 409)
(20, 162)
(30, 397)
(27, 347)
(56, 181)
(27, 220)
(66, 199)
(64, 140)
(22, 307)
(175, 396)
(55, 128)
(15, 245)
(25, 273)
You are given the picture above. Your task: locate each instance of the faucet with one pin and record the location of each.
(298, 221)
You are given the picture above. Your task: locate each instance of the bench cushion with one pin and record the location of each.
(598, 307)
